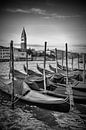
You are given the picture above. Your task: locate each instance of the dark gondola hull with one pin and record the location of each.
(46, 71)
(52, 68)
(56, 79)
(54, 107)
(78, 98)
(33, 98)
(19, 75)
(31, 72)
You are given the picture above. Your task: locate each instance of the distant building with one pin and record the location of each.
(4, 53)
(19, 53)
(23, 40)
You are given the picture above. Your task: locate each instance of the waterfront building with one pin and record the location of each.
(19, 53)
(4, 53)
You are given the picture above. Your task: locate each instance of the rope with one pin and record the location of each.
(20, 96)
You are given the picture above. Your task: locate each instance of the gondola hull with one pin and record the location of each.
(46, 71)
(78, 97)
(40, 100)
(31, 72)
(56, 105)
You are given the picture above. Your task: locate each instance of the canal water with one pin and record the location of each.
(25, 117)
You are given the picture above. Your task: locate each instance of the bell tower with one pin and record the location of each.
(23, 40)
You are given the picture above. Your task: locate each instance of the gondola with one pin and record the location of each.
(80, 86)
(72, 74)
(78, 96)
(59, 91)
(75, 70)
(75, 74)
(60, 79)
(34, 79)
(31, 72)
(62, 72)
(64, 68)
(52, 68)
(19, 75)
(46, 71)
(36, 98)
(60, 76)
(75, 84)
(39, 81)
(52, 82)
(38, 78)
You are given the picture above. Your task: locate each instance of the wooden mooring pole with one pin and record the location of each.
(45, 66)
(78, 61)
(62, 58)
(68, 86)
(83, 68)
(72, 62)
(56, 60)
(26, 61)
(10, 63)
(66, 65)
(12, 69)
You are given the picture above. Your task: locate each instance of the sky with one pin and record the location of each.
(55, 21)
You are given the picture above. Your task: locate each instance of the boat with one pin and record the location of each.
(75, 84)
(78, 96)
(46, 71)
(34, 79)
(35, 98)
(72, 74)
(60, 92)
(75, 70)
(55, 78)
(39, 81)
(19, 75)
(52, 68)
(81, 86)
(31, 72)
(64, 68)
(52, 82)
(79, 93)
(77, 90)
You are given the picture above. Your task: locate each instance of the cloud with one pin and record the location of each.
(44, 13)
(54, 15)
(38, 11)
(28, 11)
(17, 11)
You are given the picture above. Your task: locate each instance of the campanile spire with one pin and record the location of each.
(23, 40)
